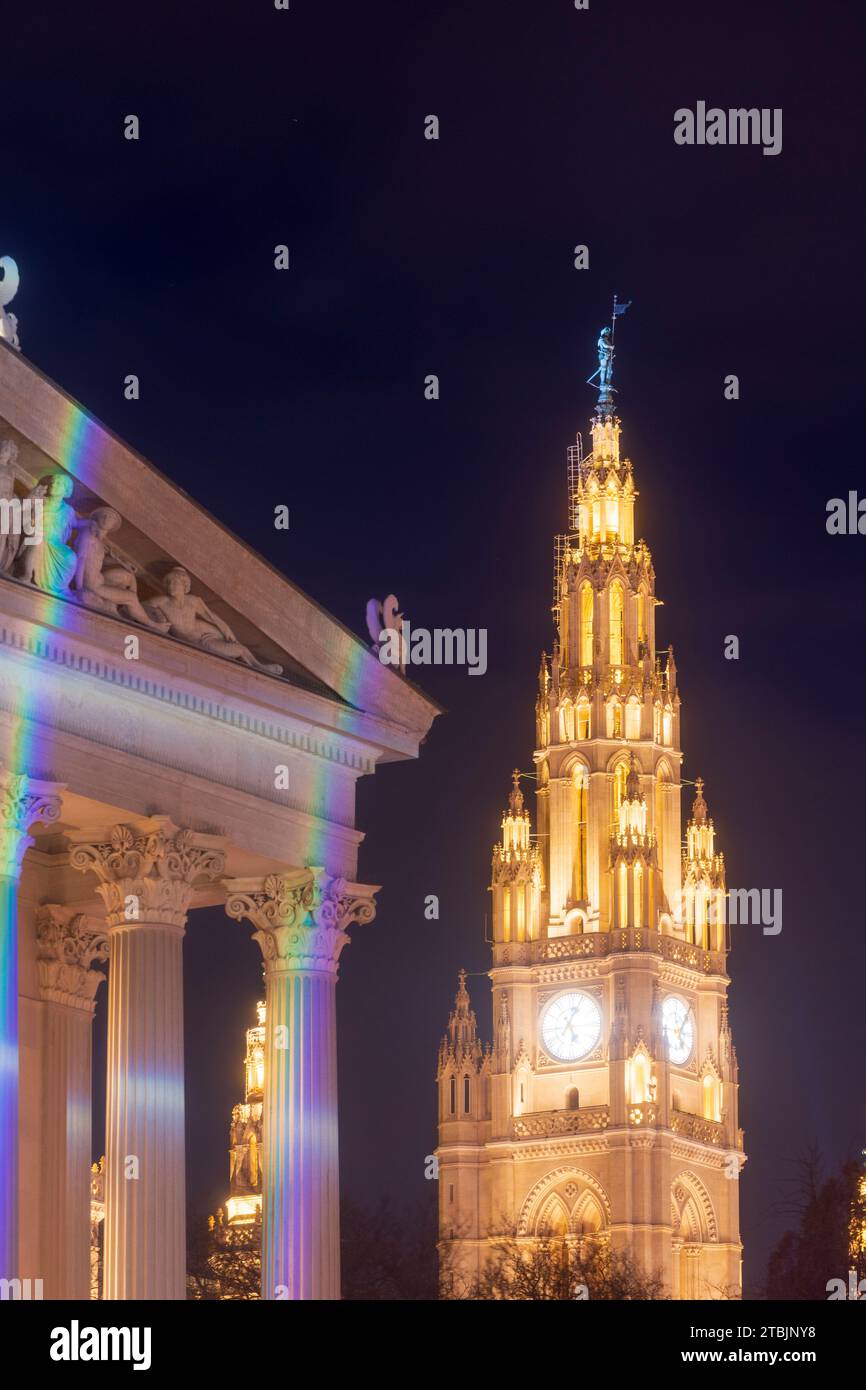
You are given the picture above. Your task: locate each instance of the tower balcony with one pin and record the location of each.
(540, 1124)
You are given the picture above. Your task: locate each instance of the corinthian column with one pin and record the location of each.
(23, 802)
(67, 945)
(146, 874)
(300, 921)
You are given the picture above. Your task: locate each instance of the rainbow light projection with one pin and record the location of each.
(82, 454)
(28, 752)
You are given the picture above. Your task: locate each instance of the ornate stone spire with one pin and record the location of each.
(700, 814)
(515, 800)
(632, 782)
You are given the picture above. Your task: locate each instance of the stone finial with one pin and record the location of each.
(301, 918)
(700, 810)
(23, 802)
(515, 799)
(147, 874)
(67, 945)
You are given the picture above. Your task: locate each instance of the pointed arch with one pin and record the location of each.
(692, 1214)
(560, 1181)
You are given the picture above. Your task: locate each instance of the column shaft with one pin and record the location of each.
(301, 1216)
(67, 1137)
(145, 1205)
(8, 1079)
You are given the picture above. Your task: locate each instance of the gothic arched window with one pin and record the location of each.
(453, 1095)
(617, 654)
(586, 606)
(466, 1095)
(572, 1100)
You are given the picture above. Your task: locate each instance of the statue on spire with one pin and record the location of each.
(604, 370)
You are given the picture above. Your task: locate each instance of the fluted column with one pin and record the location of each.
(23, 802)
(146, 878)
(68, 942)
(300, 920)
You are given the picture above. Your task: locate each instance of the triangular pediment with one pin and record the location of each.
(162, 528)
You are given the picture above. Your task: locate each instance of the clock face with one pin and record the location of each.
(571, 1026)
(679, 1029)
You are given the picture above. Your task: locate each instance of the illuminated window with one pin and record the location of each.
(637, 908)
(566, 722)
(617, 656)
(586, 607)
(657, 724)
(581, 784)
(632, 719)
(596, 520)
(583, 719)
(659, 826)
(667, 726)
(620, 778)
(617, 720)
(623, 895)
(712, 1099)
(612, 516)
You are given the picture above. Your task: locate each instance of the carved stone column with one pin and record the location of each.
(146, 874)
(300, 920)
(68, 943)
(23, 802)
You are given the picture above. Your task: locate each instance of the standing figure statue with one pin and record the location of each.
(50, 563)
(189, 617)
(107, 587)
(605, 362)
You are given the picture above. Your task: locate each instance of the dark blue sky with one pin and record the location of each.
(409, 257)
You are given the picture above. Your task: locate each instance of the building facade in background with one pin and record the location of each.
(180, 727)
(606, 1105)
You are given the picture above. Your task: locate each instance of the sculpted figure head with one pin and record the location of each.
(60, 485)
(177, 582)
(107, 519)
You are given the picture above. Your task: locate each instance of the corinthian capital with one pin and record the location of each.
(67, 944)
(301, 919)
(147, 872)
(23, 802)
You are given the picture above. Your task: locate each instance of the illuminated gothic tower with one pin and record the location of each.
(607, 1103)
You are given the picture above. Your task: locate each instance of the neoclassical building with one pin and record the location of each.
(606, 1104)
(180, 726)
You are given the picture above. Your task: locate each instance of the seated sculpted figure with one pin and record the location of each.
(189, 617)
(106, 586)
(50, 563)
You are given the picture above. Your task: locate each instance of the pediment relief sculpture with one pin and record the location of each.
(70, 556)
(189, 617)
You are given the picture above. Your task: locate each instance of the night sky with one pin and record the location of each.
(455, 257)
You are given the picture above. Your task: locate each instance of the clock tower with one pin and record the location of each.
(606, 1105)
